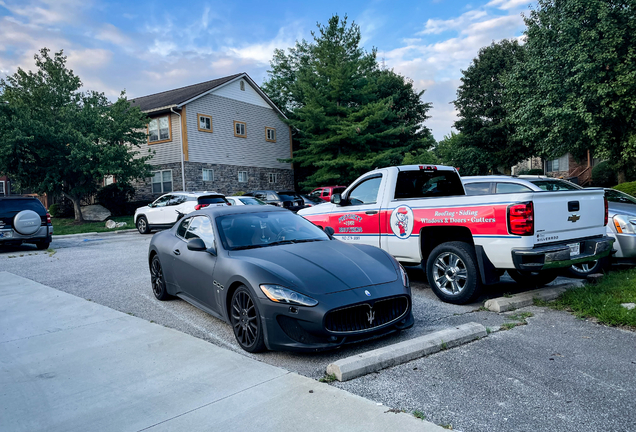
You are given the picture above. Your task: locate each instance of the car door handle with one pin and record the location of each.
(176, 252)
(371, 212)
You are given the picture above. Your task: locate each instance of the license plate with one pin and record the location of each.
(575, 249)
(6, 234)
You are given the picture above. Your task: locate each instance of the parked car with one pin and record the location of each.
(482, 185)
(287, 199)
(278, 280)
(311, 201)
(24, 220)
(166, 210)
(622, 226)
(325, 192)
(244, 200)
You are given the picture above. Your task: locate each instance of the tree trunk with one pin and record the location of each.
(76, 207)
(622, 177)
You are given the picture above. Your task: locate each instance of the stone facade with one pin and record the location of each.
(225, 179)
(528, 164)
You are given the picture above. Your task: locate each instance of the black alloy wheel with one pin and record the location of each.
(142, 225)
(533, 279)
(246, 321)
(157, 279)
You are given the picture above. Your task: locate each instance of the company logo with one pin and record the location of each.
(367, 293)
(402, 222)
(349, 219)
(371, 316)
(574, 218)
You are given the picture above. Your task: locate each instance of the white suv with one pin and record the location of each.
(166, 210)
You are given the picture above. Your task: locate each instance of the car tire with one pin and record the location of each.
(41, 245)
(158, 280)
(583, 270)
(142, 225)
(246, 321)
(452, 272)
(533, 279)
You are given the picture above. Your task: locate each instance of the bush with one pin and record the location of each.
(61, 210)
(131, 206)
(533, 171)
(603, 174)
(115, 197)
(628, 188)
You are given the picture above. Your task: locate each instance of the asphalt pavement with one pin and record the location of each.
(505, 381)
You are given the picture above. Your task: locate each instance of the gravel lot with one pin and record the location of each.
(557, 373)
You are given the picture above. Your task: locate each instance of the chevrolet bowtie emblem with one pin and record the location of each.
(574, 218)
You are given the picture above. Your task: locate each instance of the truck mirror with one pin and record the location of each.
(336, 199)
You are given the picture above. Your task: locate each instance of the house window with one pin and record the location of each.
(242, 176)
(205, 123)
(553, 165)
(159, 130)
(242, 85)
(109, 179)
(208, 174)
(162, 181)
(2, 192)
(270, 134)
(239, 129)
(273, 177)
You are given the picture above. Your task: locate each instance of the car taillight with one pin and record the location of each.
(200, 206)
(48, 216)
(606, 210)
(521, 219)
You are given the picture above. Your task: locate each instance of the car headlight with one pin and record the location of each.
(625, 224)
(405, 278)
(279, 294)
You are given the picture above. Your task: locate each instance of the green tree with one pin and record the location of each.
(577, 88)
(56, 139)
(452, 151)
(349, 115)
(483, 118)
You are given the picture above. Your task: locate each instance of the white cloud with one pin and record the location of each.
(508, 4)
(110, 33)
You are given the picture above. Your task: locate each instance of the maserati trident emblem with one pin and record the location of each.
(574, 218)
(371, 316)
(367, 293)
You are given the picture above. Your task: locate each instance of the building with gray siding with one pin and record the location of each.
(224, 135)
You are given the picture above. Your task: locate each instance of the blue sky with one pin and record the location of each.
(146, 47)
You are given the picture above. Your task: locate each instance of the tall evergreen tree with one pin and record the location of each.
(349, 115)
(483, 119)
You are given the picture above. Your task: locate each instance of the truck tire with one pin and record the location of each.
(533, 279)
(453, 273)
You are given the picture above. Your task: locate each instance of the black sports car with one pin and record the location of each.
(280, 281)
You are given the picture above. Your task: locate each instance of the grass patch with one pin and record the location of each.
(603, 299)
(507, 295)
(328, 378)
(540, 302)
(62, 226)
(419, 414)
(510, 325)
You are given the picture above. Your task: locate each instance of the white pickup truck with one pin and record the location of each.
(421, 215)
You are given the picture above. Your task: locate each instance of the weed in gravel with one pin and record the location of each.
(447, 426)
(509, 325)
(507, 295)
(444, 346)
(488, 330)
(51, 252)
(540, 302)
(328, 378)
(419, 414)
(12, 256)
(520, 316)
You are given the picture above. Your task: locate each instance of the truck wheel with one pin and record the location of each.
(583, 270)
(533, 279)
(452, 272)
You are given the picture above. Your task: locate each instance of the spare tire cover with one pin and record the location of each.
(27, 222)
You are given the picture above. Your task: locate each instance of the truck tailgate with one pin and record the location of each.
(563, 215)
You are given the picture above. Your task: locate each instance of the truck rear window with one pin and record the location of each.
(422, 184)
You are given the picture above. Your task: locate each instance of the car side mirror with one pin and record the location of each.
(336, 199)
(329, 231)
(197, 245)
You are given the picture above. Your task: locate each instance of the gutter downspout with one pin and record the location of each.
(183, 184)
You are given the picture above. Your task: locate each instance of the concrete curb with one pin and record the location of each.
(381, 358)
(503, 304)
(91, 234)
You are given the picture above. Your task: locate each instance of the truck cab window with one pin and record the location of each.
(366, 192)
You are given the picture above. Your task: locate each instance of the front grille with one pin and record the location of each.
(366, 316)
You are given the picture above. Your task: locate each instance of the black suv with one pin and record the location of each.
(287, 199)
(24, 220)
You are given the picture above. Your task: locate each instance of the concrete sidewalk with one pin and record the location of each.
(68, 364)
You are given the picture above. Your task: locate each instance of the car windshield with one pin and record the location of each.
(251, 201)
(620, 197)
(255, 230)
(554, 185)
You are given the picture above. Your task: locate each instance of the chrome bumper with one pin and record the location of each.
(558, 256)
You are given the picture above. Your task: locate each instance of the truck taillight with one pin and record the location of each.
(48, 216)
(200, 206)
(521, 219)
(606, 210)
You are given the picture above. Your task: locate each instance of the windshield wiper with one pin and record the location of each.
(249, 247)
(307, 240)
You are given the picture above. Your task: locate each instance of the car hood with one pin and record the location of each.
(322, 267)
(615, 208)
